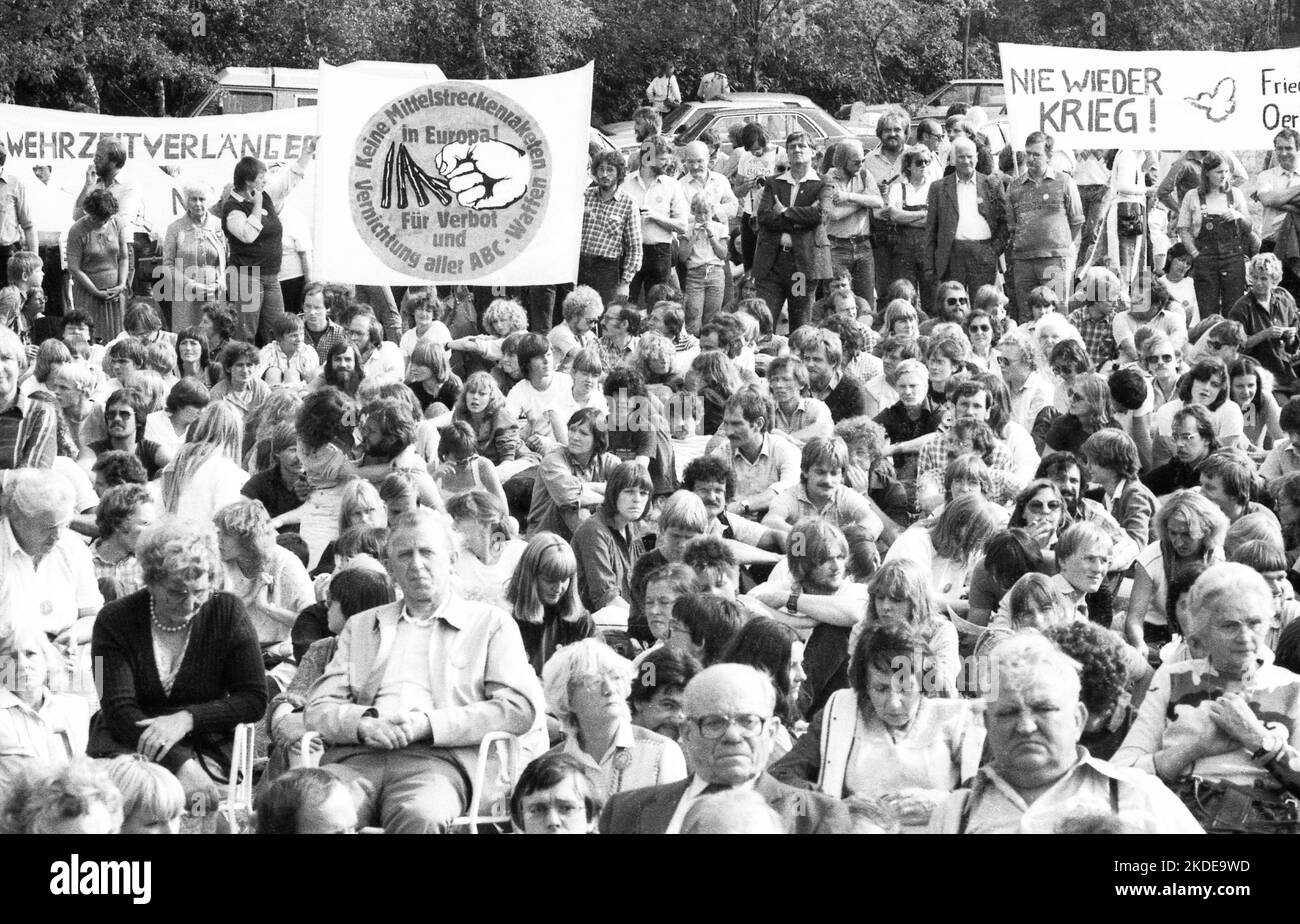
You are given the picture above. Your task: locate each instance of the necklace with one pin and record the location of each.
(153, 617)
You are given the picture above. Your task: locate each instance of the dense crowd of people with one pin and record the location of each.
(930, 488)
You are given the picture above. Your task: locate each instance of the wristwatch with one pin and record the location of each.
(744, 505)
(1272, 742)
(792, 603)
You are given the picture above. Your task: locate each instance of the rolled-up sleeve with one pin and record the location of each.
(331, 708)
(564, 487)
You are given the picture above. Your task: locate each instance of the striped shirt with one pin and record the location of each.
(27, 434)
(612, 229)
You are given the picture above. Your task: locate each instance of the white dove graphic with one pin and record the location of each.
(1220, 104)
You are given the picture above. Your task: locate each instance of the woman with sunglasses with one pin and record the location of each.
(1090, 411)
(1163, 362)
(906, 196)
(1040, 511)
(980, 332)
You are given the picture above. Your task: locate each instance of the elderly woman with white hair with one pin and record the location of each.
(180, 661)
(47, 576)
(1224, 727)
(587, 685)
(39, 723)
(194, 256)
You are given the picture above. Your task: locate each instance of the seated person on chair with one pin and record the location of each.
(416, 685)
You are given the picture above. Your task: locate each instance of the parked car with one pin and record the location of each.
(778, 113)
(989, 95)
(862, 117)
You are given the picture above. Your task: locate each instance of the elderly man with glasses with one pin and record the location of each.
(727, 737)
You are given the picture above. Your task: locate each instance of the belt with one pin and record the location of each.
(785, 249)
(856, 239)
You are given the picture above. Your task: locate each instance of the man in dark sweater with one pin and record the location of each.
(1194, 440)
(823, 355)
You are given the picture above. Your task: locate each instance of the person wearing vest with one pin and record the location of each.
(908, 197)
(882, 739)
(1215, 227)
(250, 218)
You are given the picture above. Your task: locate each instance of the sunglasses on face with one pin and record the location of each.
(1160, 358)
(957, 300)
(978, 327)
(1050, 506)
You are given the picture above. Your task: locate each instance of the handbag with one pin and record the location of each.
(1130, 218)
(1233, 808)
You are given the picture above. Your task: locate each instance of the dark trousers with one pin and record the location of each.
(782, 285)
(972, 263)
(601, 273)
(291, 289)
(882, 252)
(748, 241)
(656, 267)
(855, 255)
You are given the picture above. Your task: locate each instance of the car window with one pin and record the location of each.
(962, 93)
(993, 95)
(678, 115)
(778, 124)
(816, 131)
(241, 101)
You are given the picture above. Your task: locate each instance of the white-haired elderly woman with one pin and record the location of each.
(39, 723)
(46, 573)
(180, 662)
(587, 685)
(1224, 727)
(194, 256)
(269, 580)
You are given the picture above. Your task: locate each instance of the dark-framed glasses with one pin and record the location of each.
(715, 726)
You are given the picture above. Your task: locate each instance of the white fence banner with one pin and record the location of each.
(1171, 100)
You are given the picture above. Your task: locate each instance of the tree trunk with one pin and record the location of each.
(160, 98)
(474, 12)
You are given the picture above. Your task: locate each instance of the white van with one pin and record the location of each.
(261, 89)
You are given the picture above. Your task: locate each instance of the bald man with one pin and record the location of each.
(698, 180)
(966, 222)
(727, 737)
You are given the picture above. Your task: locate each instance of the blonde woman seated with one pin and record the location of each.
(39, 724)
(206, 474)
(491, 550)
(587, 685)
(886, 738)
(153, 800)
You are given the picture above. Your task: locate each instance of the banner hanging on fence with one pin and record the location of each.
(1170, 100)
(51, 151)
(454, 181)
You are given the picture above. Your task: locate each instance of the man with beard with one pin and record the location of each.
(1063, 470)
(417, 684)
(1045, 218)
(966, 222)
(1193, 437)
(793, 254)
(611, 230)
(1039, 778)
(823, 355)
(106, 173)
(884, 164)
(389, 434)
(657, 690)
(664, 212)
(848, 224)
(764, 462)
(124, 414)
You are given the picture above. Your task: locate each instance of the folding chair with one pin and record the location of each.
(489, 801)
(235, 812)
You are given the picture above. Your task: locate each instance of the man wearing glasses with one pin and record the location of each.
(793, 254)
(931, 134)
(966, 222)
(727, 737)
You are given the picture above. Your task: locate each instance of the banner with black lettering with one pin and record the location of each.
(455, 181)
(1169, 100)
(50, 151)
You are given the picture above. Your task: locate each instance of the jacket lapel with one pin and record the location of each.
(656, 813)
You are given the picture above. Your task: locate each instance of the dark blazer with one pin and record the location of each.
(804, 221)
(649, 810)
(941, 217)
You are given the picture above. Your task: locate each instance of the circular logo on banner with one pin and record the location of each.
(449, 182)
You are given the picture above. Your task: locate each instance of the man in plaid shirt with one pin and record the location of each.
(970, 432)
(1098, 293)
(611, 230)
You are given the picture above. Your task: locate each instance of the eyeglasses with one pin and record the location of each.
(1160, 358)
(1062, 371)
(922, 163)
(1038, 506)
(111, 415)
(715, 726)
(1215, 344)
(951, 300)
(1185, 437)
(980, 327)
(1003, 361)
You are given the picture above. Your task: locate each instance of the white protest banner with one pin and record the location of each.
(1170, 100)
(452, 181)
(161, 155)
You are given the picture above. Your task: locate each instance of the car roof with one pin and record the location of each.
(743, 100)
(972, 80)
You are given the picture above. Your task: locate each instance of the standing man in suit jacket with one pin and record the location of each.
(966, 222)
(727, 737)
(793, 253)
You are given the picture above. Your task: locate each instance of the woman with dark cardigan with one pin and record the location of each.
(181, 664)
(543, 594)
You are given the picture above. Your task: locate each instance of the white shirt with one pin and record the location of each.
(716, 189)
(216, 484)
(296, 240)
(1271, 180)
(406, 686)
(971, 225)
(51, 593)
(437, 333)
(663, 197)
(386, 364)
